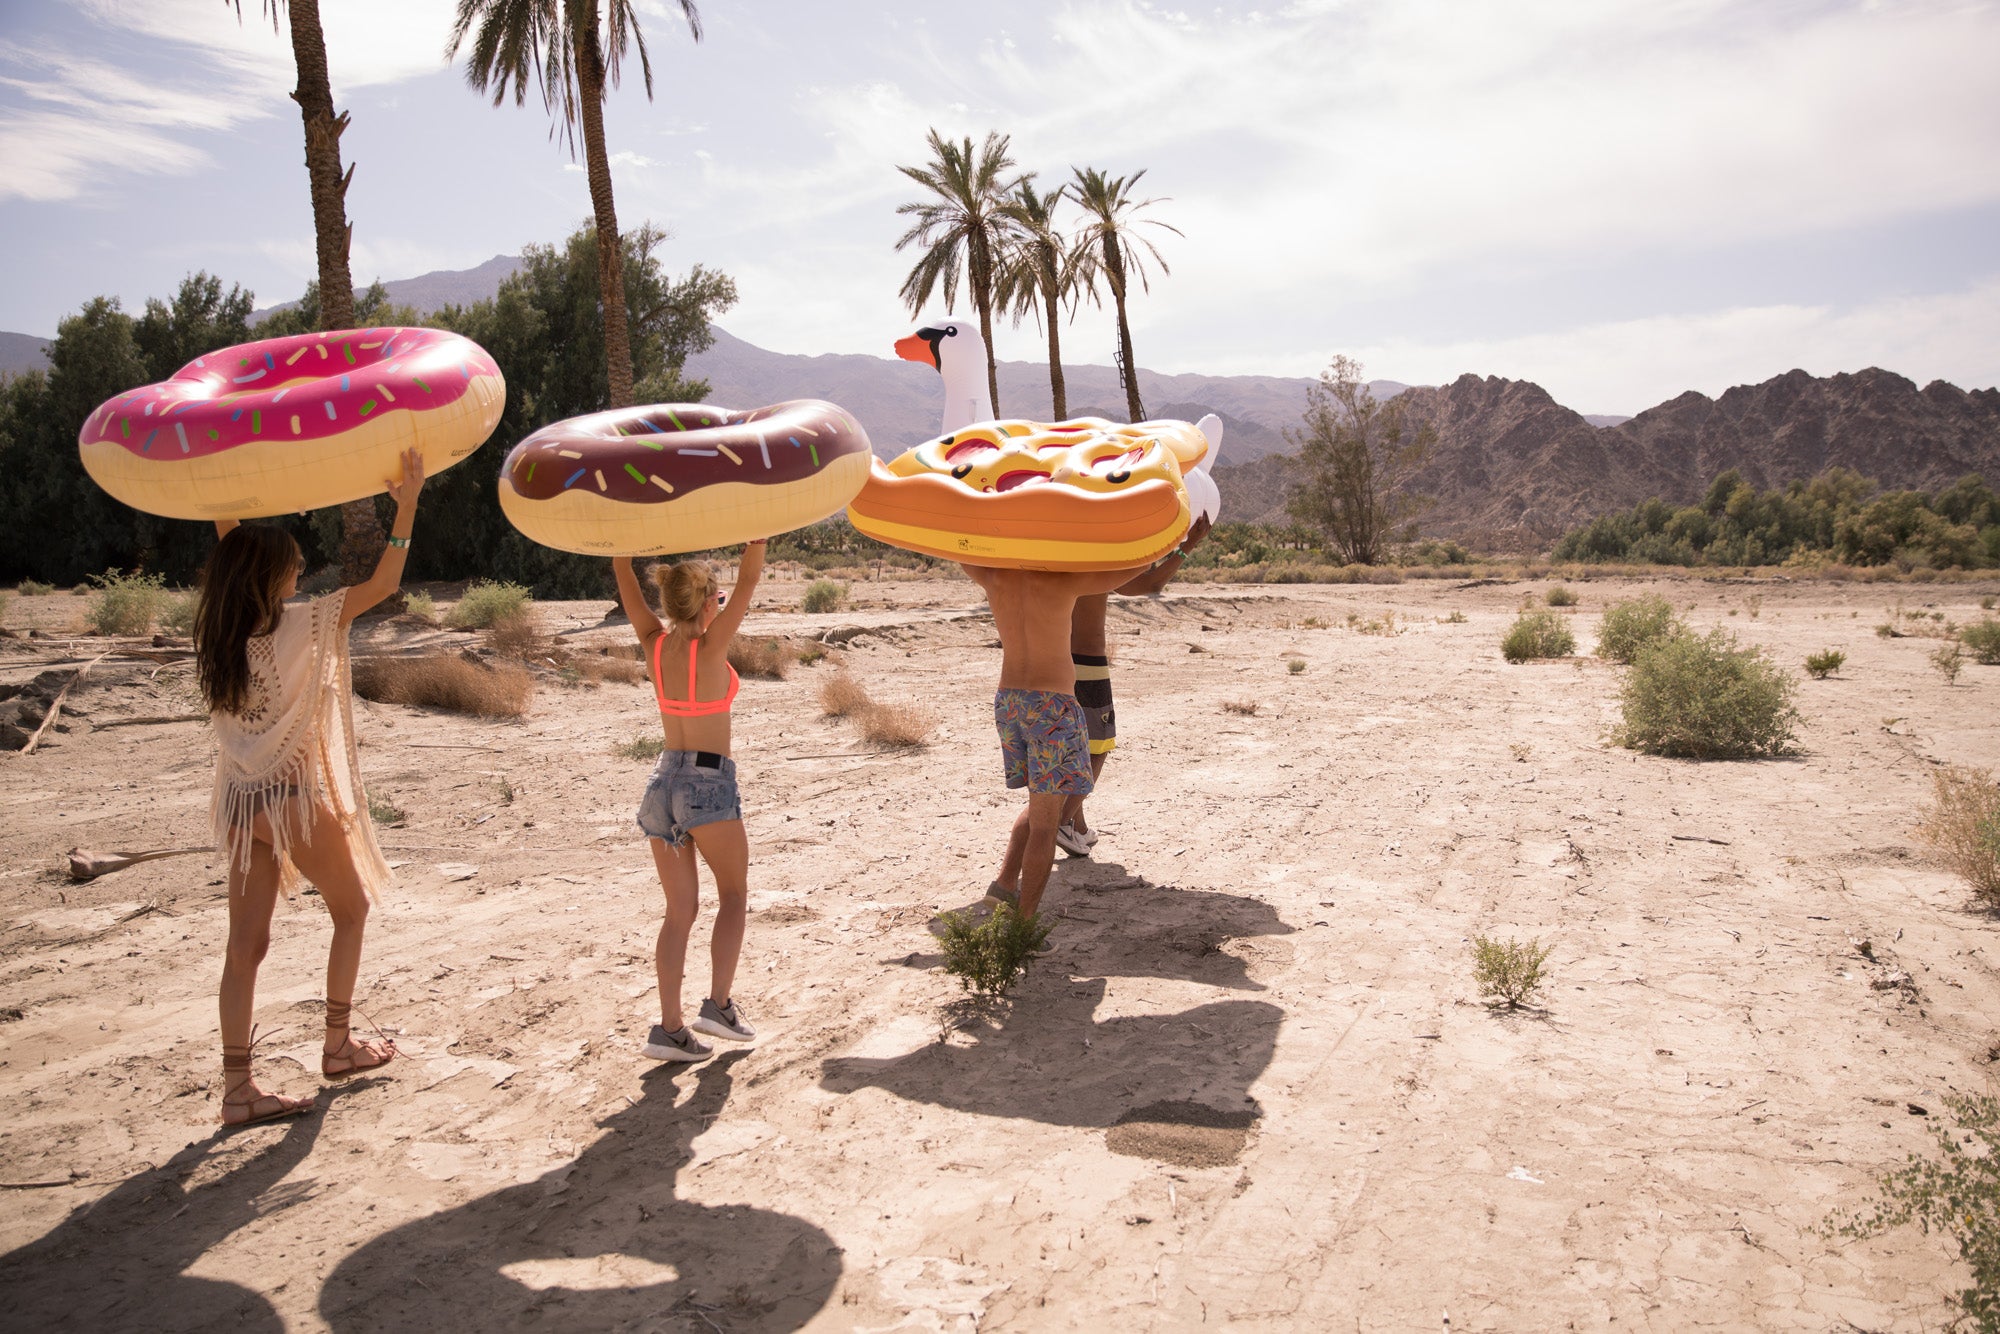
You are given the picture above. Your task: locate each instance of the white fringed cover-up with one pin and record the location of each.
(290, 749)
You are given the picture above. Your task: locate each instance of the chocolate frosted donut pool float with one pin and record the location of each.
(1076, 495)
(655, 481)
(290, 424)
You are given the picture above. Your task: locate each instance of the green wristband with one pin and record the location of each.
(401, 543)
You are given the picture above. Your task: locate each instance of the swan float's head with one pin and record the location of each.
(945, 343)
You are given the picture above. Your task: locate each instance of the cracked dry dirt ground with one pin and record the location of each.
(1274, 930)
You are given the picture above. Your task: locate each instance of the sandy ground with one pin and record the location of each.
(1251, 1086)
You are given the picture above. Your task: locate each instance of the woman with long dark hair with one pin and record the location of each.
(288, 801)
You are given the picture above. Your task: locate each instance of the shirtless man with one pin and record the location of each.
(1088, 652)
(1043, 737)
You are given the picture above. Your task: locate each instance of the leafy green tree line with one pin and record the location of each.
(542, 327)
(1837, 516)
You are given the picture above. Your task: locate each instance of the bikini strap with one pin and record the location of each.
(694, 647)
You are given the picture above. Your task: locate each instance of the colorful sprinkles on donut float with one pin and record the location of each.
(678, 477)
(1077, 495)
(294, 423)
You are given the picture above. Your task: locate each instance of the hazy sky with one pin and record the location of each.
(1618, 200)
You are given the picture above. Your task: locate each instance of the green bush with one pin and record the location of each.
(643, 747)
(1949, 659)
(177, 613)
(1630, 625)
(1962, 827)
(1508, 971)
(1560, 596)
(1537, 634)
(1701, 697)
(823, 595)
(1983, 639)
(33, 588)
(1822, 665)
(421, 605)
(487, 602)
(986, 956)
(124, 604)
(1295, 666)
(1956, 1194)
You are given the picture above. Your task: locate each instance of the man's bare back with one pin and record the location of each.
(1032, 611)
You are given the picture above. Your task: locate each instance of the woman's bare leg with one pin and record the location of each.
(253, 895)
(328, 861)
(726, 849)
(681, 882)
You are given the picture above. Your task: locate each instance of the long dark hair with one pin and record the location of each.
(240, 598)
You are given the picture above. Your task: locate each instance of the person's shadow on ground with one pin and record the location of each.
(118, 1263)
(587, 1242)
(1043, 1055)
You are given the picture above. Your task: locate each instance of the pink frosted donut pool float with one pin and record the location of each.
(290, 424)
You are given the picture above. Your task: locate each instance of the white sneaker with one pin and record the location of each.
(1070, 841)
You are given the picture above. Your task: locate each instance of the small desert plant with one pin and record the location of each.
(1537, 634)
(842, 695)
(1819, 666)
(35, 588)
(986, 956)
(1962, 827)
(446, 681)
(177, 613)
(823, 595)
(1295, 666)
(1701, 697)
(124, 604)
(422, 606)
(1457, 617)
(486, 602)
(1559, 596)
(811, 654)
(895, 724)
(1949, 659)
(602, 667)
(646, 746)
(1630, 625)
(384, 812)
(1246, 707)
(764, 657)
(515, 635)
(1508, 971)
(1385, 625)
(1985, 604)
(1956, 1194)
(1983, 640)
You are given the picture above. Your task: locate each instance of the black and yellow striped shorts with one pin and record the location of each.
(1093, 691)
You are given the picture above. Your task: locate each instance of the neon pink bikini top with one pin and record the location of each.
(689, 707)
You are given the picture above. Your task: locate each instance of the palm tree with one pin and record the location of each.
(333, 235)
(572, 51)
(967, 216)
(1038, 273)
(1110, 246)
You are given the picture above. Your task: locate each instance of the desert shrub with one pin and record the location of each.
(1630, 625)
(1559, 596)
(1537, 634)
(1962, 827)
(842, 695)
(515, 635)
(486, 602)
(1956, 1194)
(1508, 971)
(895, 724)
(383, 811)
(765, 657)
(1819, 666)
(1985, 604)
(5, 598)
(177, 613)
(646, 746)
(446, 681)
(1457, 617)
(811, 654)
(35, 588)
(1983, 640)
(1295, 666)
(986, 956)
(602, 667)
(422, 606)
(124, 604)
(1949, 659)
(823, 595)
(1701, 697)
(1246, 707)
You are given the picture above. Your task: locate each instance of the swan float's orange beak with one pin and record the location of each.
(917, 348)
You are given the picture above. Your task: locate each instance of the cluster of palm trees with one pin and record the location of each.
(571, 52)
(985, 223)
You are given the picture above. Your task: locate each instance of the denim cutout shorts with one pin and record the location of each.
(683, 795)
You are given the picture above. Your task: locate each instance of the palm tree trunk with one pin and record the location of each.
(610, 260)
(361, 538)
(979, 270)
(1113, 262)
(1056, 389)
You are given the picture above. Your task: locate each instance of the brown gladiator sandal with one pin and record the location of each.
(263, 1107)
(351, 1057)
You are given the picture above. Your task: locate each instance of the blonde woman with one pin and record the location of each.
(288, 799)
(692, 804)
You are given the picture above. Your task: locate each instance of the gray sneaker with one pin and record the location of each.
(723, 1021)
(997, 894)
(681, 1046)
